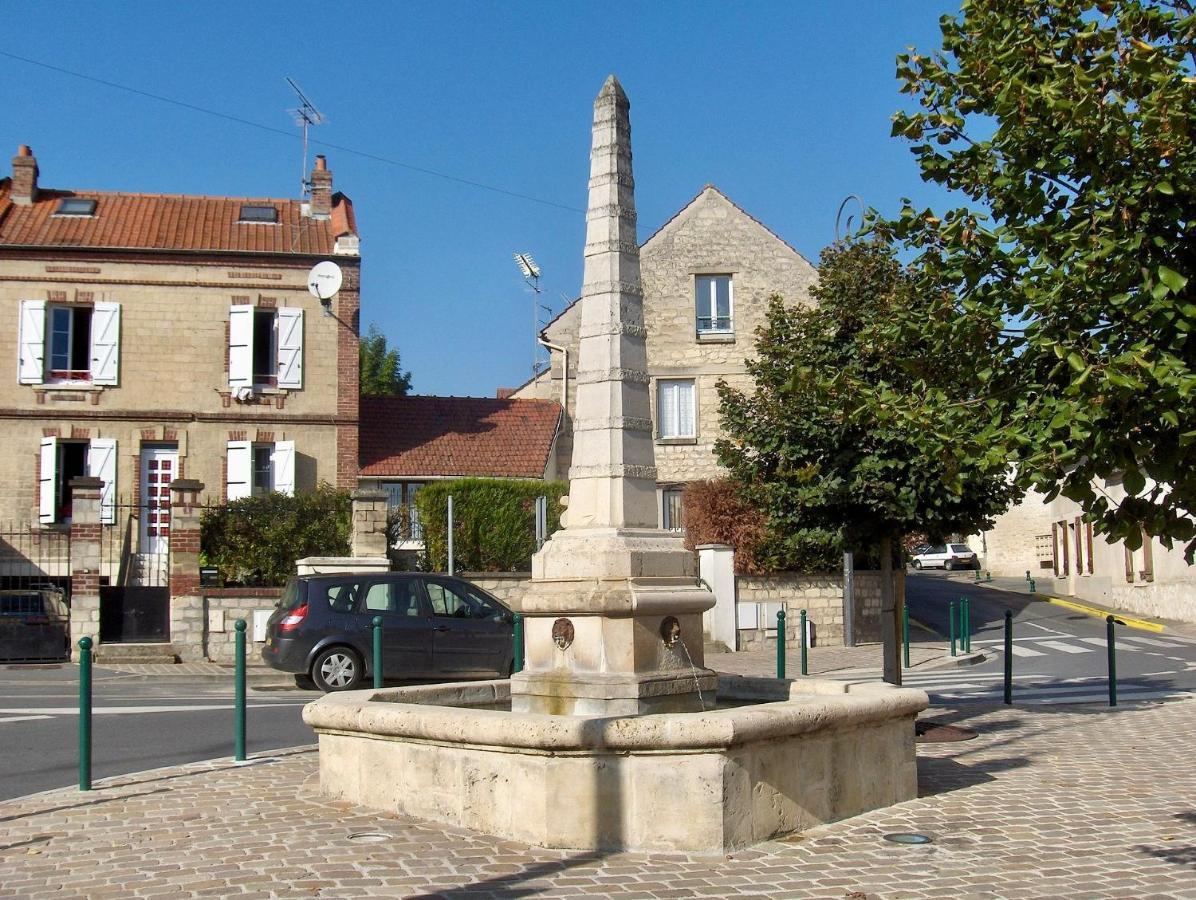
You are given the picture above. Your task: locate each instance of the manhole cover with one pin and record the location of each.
(940, 733)
(907, 837)
(369, 837)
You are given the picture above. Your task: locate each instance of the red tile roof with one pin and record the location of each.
(458, 436)
(170, 222)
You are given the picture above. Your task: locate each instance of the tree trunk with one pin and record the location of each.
(890, 615)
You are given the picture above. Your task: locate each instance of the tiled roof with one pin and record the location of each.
(457, 436)
(170, 222)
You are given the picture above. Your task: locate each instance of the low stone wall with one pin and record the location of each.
(202, 628)
(508, 587)
(821, 596)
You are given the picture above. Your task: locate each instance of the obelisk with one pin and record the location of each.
(614, 609)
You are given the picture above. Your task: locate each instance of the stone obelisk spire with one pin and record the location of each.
(613, 611)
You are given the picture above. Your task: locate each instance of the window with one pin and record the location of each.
(256, 469)
(62, 461)
(258, 214)
(75, 206)
(340, 597)
(672, 513)
(675, 409)
(403, 512)
(714, 304)
(60, 343)
(396, 597)
(265, 347)
(455, 601)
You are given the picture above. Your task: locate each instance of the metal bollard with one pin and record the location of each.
(965, 608)
(905, 631)
(1109, 622)
(988, 577)
(951, 621)
(85, 714)
(1033, 587)
(376, 626)
(1027, 574)
(239, 693)
(804, 667)
(1008, 658)
(517, 638)
(780, 643)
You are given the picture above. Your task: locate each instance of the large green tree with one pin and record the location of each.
(381, 370)
(851, 429)
(1068, 125)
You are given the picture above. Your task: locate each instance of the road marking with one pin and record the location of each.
(1025, 651)
(1099, 642)
(1065, 648)
(1099, 613)
(23, 719)
(1149, 642)
(132, 710)
(1050, 631)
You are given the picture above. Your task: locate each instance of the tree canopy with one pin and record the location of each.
(1068, 125)
(381, 371)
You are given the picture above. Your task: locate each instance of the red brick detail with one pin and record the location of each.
(183, 585)
(80, 434)
(49, 432)
(170, 434)
(149, 434)
(84, 585)
(239, 435)
(266, 437)
(280, 401)
(242, 299)
(56, 296)
(136, 480)
(264, 302)
(224, 478)
(95, 398)
(226, 400)
(41, 397)
(265, 593)
(227, 335)
(84, 297)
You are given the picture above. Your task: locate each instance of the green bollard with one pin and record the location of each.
(905, 631)
(780, 643)
(988, 577)
(85, 714)
(804, 668)
(1027, 575)
(1008, 658)
(376, 624)
(239, 693)
(1109, 622)
(517, 638)
(951, 620)
(965, 614)
(1033, 587)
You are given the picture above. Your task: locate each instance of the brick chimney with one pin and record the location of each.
(24, 177)
(321, 190)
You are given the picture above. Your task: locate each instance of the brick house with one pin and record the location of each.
(708, 274)
(159, 336)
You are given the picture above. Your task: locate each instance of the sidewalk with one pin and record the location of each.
(257, 676)
(1076, 801)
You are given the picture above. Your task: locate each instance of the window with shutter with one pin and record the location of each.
(48, 481)
(31, 364)
(240, 346)
(101, 464)
(290, 347)
(105, 343)
(240, 470)
(283, 459)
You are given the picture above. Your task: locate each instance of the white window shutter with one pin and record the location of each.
(290, 347)
(685, 409)
(240, 469)
(240, 348)
(283, 463)
(48, 481)
(31, 349)
(105, 343)
(666, 409)
(101, 464)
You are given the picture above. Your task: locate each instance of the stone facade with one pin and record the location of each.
(821, 596)
(1019, 540)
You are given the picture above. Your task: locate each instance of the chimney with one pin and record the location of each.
(321, 190)
(24, 177)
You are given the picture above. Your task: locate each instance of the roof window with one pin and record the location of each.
(75, 206)
(256, 213)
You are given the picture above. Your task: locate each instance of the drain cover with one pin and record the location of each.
(369, 837)
(907, 837)
(940, 733)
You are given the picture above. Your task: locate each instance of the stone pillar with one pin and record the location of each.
(370, 537)
(188, 624)
(614, 610)
(85, 560)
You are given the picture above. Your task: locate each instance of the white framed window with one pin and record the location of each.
(62, 343)
(715, 304)
(401, 497)
(672, 511)
(676, 411)
(265, 347)
(62, 461)
(255, 469)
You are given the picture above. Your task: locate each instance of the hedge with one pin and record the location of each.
(494, 522)
(256, 540)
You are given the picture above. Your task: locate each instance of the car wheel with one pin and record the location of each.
(305, 682)
(949, 565)
(337, 669)
(917, 564)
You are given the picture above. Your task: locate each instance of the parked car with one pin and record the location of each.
(34, 625)
(947, 556)
(433, 626)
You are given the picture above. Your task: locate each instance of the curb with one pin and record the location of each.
(953, 662)
(1100, 613)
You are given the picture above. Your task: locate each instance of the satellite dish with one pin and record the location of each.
(324, 280)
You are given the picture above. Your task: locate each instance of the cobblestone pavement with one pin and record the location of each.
(1081, 802)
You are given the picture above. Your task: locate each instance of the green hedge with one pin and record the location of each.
(494, 522)
(255, 541)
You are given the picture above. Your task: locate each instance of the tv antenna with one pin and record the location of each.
(531, 275)
(305, 116)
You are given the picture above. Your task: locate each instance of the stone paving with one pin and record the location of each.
(1082, 802)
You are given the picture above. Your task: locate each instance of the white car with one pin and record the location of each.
(947, 556)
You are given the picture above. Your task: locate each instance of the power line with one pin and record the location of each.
(288, 134)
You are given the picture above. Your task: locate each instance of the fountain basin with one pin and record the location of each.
(802, 753)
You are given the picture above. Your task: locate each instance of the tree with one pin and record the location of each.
(849, 431)
(381, 372)
(1070, 122)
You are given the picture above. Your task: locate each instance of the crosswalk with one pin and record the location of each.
(1058, 642)
(1034, 689)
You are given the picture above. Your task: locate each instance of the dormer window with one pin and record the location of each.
(75, 206)
(259, 214)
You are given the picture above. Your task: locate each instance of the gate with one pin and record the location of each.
(135, 572)
(35, 590)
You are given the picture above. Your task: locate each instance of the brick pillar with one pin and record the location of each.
(347, 306)
(369, 523)
(85, 560)
(187, 622)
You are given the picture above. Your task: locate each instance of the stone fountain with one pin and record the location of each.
(610, 738)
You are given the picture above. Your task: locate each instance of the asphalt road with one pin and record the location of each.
(138, 723)
(1059, 655)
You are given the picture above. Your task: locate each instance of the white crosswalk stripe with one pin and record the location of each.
(1064, 648)
(1149, 642)
(1022, 650)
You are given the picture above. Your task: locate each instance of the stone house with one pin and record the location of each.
(156, 336)
(707, 274)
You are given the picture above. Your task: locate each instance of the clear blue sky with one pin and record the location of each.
(784, 105)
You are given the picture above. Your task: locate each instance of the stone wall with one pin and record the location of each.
(1013, 545)
(822, 598)
(508, 587)
(201, 627)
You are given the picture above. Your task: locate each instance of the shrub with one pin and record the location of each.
(256, 540)
(494, 522)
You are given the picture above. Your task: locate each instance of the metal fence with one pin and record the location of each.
(35, 588)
